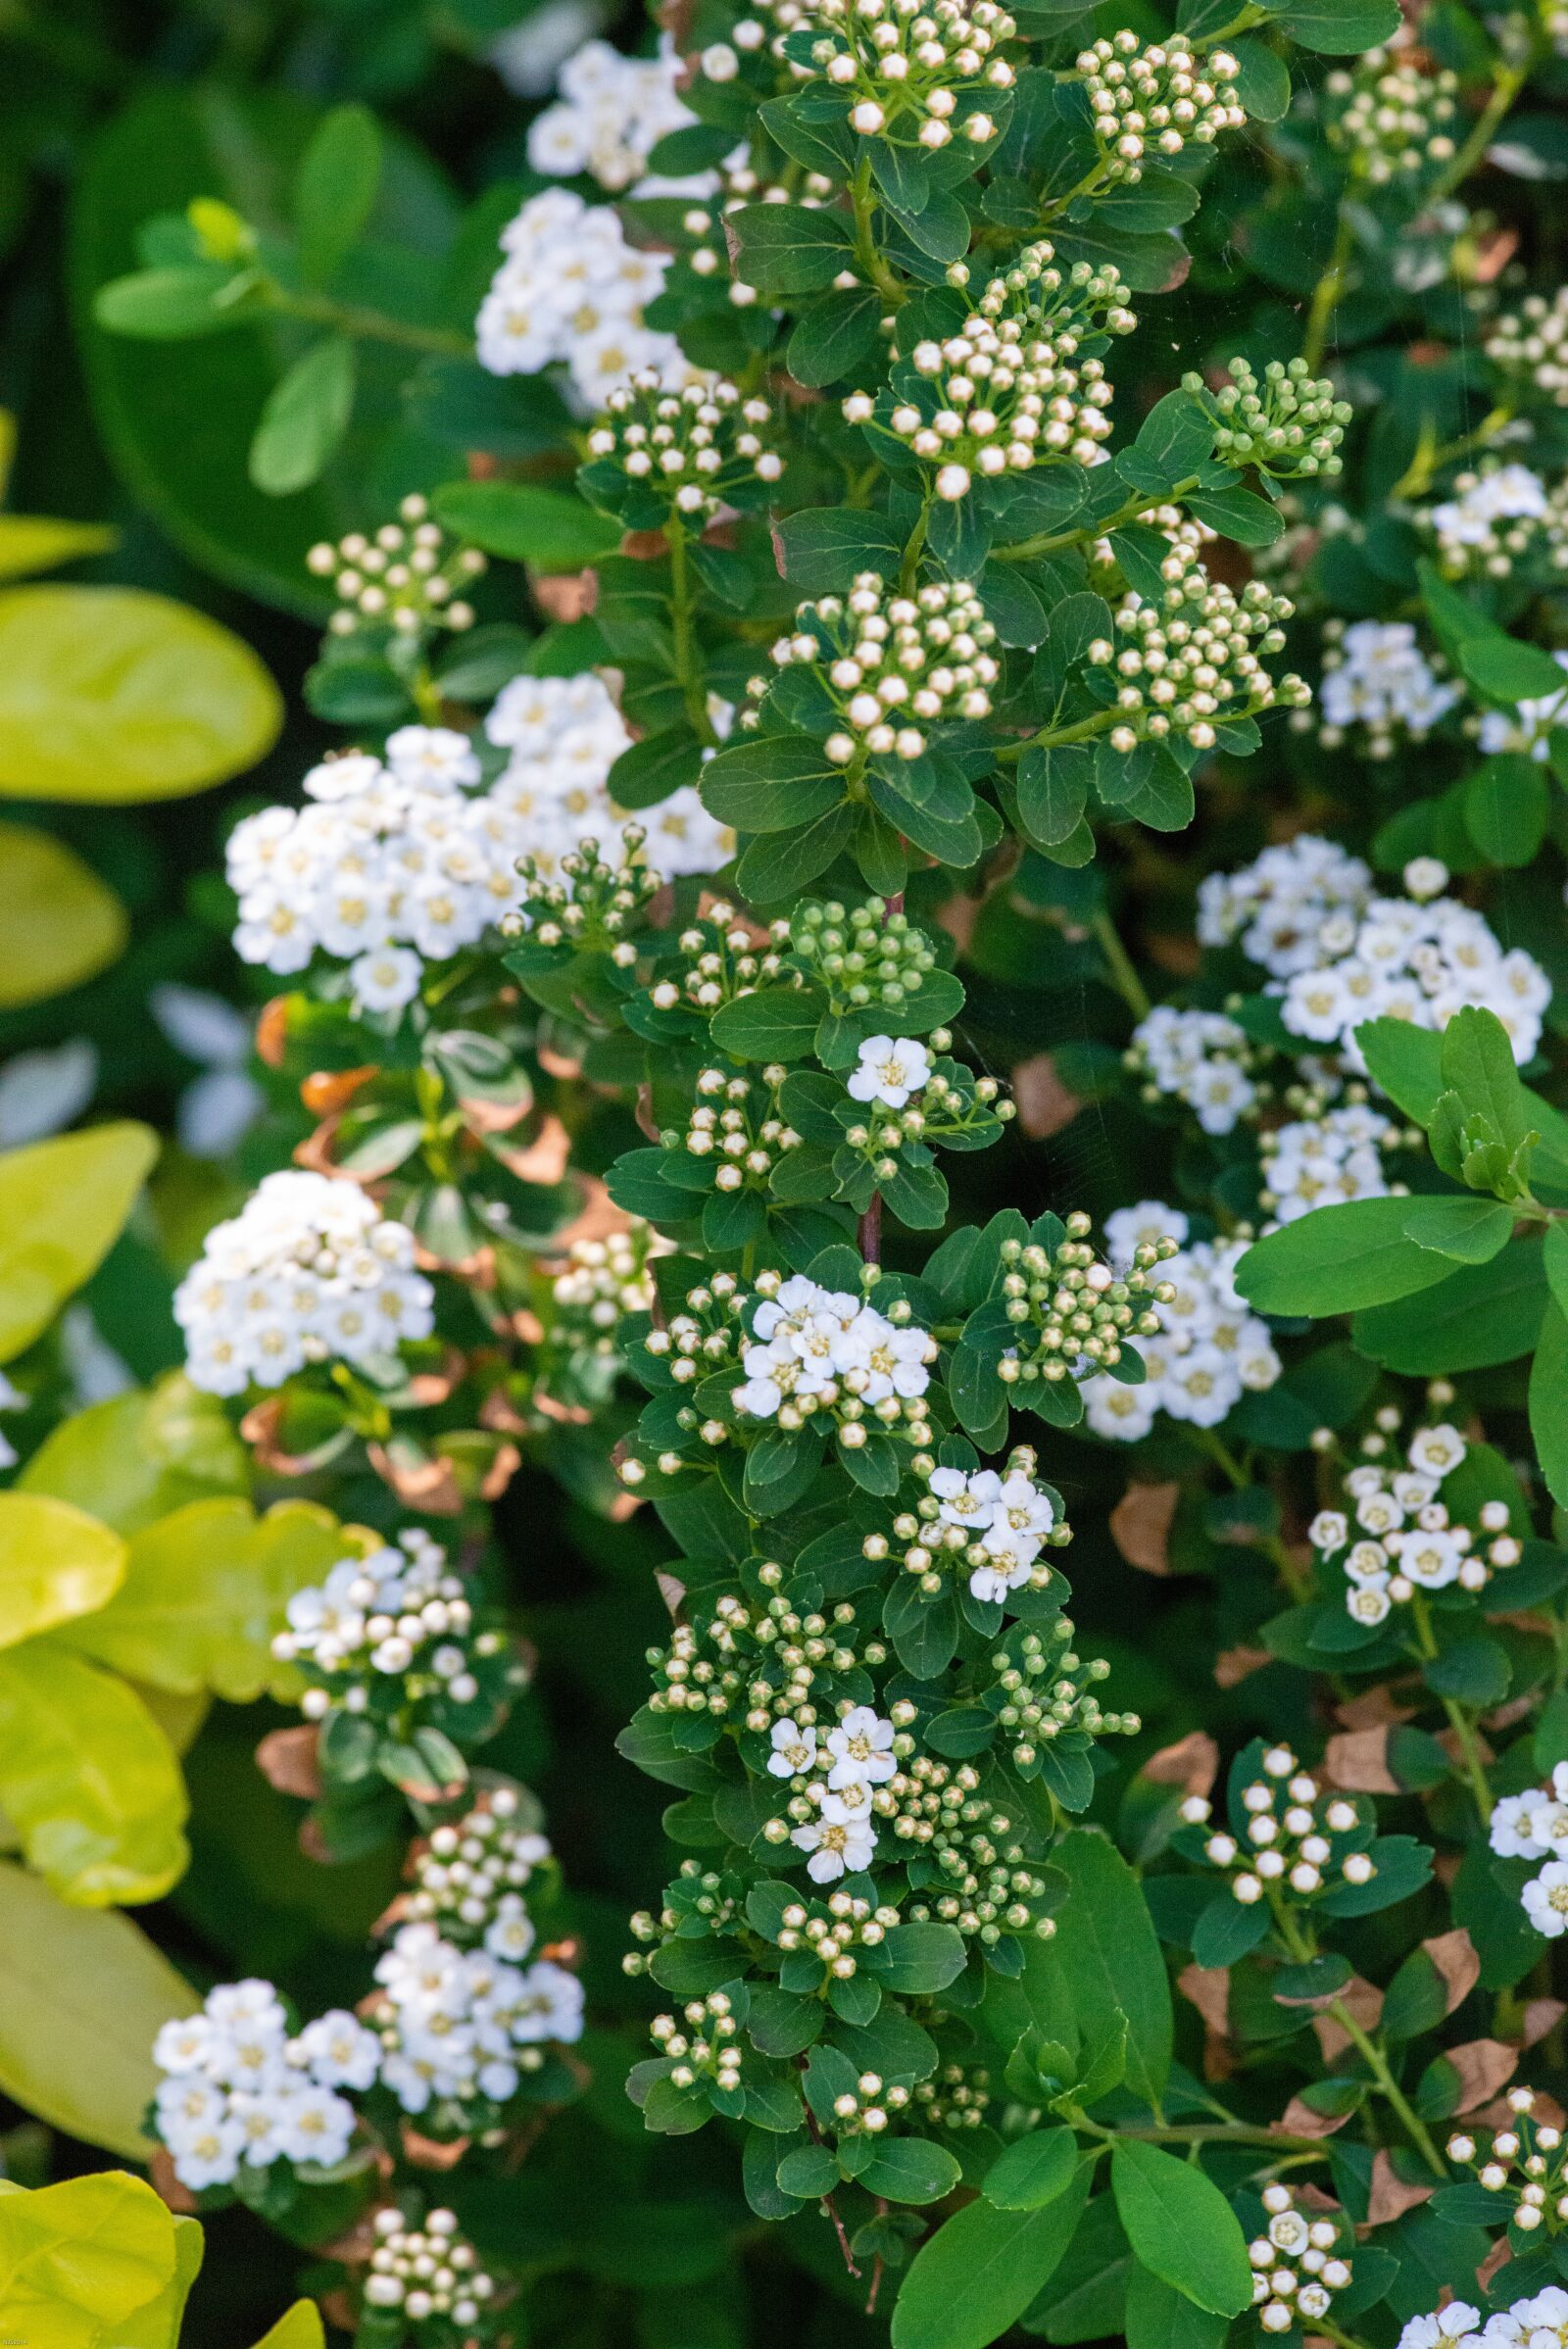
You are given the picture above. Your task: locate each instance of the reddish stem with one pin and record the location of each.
(868, 1231)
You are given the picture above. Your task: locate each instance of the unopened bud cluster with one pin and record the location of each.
(1394, 122)
(722, 961)
(1192, 660)
(405, 577)
(429, 2273)
(1286, 423)
(1524, 2166)
(1299, 1850)
(957, 2099)
(1156, 100)
(1047, 1695)
(697, 445)
(760, 1665)
(1016, 386)
(833, 1930)
(1398, 1535)
(604, 1280)
(723, 1125)
(703, 2042)
(1529, 346)
(862, 955)
(1297, 2266)
(583, 900)
(469, 1877)
(1069, 1308)
(978, 1878)
(928, 71)
(865, 2110)
(894, 664)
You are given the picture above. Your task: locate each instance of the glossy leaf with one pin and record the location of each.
(1181, 2227)
(61, 923)
(55, 1563)
(88, 1779)
(63, 1204)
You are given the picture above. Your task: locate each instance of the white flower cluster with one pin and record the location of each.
(1376, 676)
(1534, 1827)
(889, 660)
(611, 112)
(1496, 520)
(1399, 1536)
(1393, 121)
(1528, 727)
(1538, 2322)
(1213, 1348)
(469, 1877)
(1523, 2165)
(387, 867)
(1295, 2248)
(1277, 905)
(563, 735)
(1190, 658)
(836, 1779)
(1326, 1160)
(397, 1613)
(1003, 1522)
(1199, 1058)
(308, 1271)
(1159, 98)
(1418, 962)
(1292, 1849)
(813, 1348)
(456, 2026)
(1011, 386)
(571, 289)
(1532, 343)
(698, 443)
(427, 2270)
(241, 2089)
(405, 577)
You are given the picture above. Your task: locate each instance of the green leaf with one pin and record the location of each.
(1406, 1061)
(1157, 2317)
(1340, 28)
(335, 189)
(1052, 791)
(61, 923)
(921, 1959)
(1479, 1316)
(1033, 2170)
(771, 1023)
(81, 2256)
(169, 305)
(1509, 672)
(111, 693)
(1478, 1065)
(1106, 1962)
(62, 1203)
(88, 1779)
(778, 866)
(1239, 514)
(306, 415)
(975, 2277)
(203, 1596)
(772, 784)
(56, 1564)
(1181, 2227)
(1506, 805)
(84, 1994)
(1549, 1400)
(784, 249)
(1338, 1258)
(833, 337)
(526, 524)
(910, 2169)
(1470, 1231)
(823, 548)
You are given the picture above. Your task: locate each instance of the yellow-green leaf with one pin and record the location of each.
(83, 1993)
(78, 2257)
(88, 1779)
(113, 694)
(62, 1203)
(298, 2327)
(62, 924)
(55, 1562)
(36, 542)
(141, 1454)
(204, 1593)
(156, 2325)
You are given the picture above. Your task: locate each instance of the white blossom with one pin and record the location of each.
(569, 289)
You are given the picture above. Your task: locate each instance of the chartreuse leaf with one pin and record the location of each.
(204, 1594)
(55, 1563)
(335, 189)
(1338, 1259)
(83, 1993)
(36, 542)
(138, 1456)
(156, 2325)
(975, 2277)
(62, 1203)
(1549, 1396)
(115, 695)
(88, 1779)
(62, 924)
(78, 2256)
(1105, 1960)
(1181, 2227)
(298, 2327)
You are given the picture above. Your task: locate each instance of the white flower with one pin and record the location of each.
(861, 1748)
(338, 2050)
(1277, 904)
(1529, 729)
(1509, 1831)
(571, 289)
(794, 1750)
(968, 1500)
(1021, 1518)
(208, 2154)
(312, 2124)
(1328, 1530)
(1437, 1451)
(1546, 1904)
(1456, 2326)
(1128, 1229)
(1378, 677)
(892, 1070)
(841, 1841)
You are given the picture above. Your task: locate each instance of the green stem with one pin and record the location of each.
(1326, 293)
(1297, 1578)
(1510, 80)
(871, 262)
(367, 325)
(1048, 542)
(1427, 462)
(1052, 738)
(912, 552)
(1302, 1948)
(688, 669)
(1459, 1721)
(1123, 977)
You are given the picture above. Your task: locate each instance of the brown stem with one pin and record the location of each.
(868, 1231)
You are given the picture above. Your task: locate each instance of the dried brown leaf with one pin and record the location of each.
(1141, 1523)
